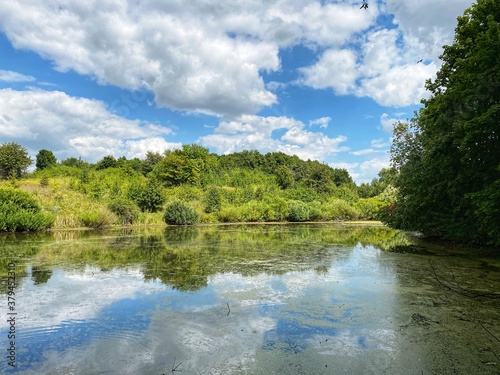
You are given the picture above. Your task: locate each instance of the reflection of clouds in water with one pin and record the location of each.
(289, 313)
(77, 295)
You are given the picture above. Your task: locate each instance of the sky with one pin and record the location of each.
(324, 80)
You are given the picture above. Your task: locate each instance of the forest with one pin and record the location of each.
(444, 179)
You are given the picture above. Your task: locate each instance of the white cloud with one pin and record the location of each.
(371, 167)
(349, 167)
(10, 76)
(323, 122)
(67, 125)
(427, 24)
(256, 132)
(201, 56)
(336, 69)
(387, 122)
(379, 143)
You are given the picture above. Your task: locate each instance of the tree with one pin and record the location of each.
(152, 158)
(14, 160)
(45, 159)
(108, 161)
(448, 156)
(284, 177)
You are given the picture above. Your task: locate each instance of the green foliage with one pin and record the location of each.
(14, 160)
(298, 211)
(369, 208)
(96, 218)
(256, 211)
(74, 162)
(151, 160)
(44, 181)
(346, 193)
(108, 161)
(338, 209)
(213, 200)
(230, 214)
(284, 177)
(448, 155)
(179, 213)
(19, 211)
(148, 197)
(45, 159)
(125, 209)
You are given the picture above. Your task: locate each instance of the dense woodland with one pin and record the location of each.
(444, 180)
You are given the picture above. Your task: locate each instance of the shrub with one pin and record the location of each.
(279, 206)
(96, 219)
(338, 209)
(213, 200)
(369, 208)
(125, 209)
(149, 197)
(230, 214)
(256, 211)
(44, 181)
(298, 211)
(19, 211)
(179, 213)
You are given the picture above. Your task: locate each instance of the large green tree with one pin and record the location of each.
(45, 159)
(14, 160)
(448, 156)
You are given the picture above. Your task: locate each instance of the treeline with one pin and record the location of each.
(190, 185)
(448, 156)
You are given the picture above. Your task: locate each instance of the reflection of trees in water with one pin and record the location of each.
(184, 257)
(40, 275)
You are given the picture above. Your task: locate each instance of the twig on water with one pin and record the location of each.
(176, 367)
(457, 288)
(487, 330)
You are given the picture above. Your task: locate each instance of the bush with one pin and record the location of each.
(230, 214)
(96, 219)
(369, 208)
(298, 211)
(338, 209)
(279, 206)
(257, 211)
(125, 209)
(44, 181)
(213, 200)
(179, 213)
(19, 211)
(149, 197)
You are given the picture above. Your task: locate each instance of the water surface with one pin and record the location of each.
(250, 299)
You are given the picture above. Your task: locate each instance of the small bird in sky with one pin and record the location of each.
(419, 61)
(364, 5)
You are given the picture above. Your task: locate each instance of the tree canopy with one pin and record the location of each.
(45, 159)
(14, 160)
(448, 156)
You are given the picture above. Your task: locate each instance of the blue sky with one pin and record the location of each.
(323, 79)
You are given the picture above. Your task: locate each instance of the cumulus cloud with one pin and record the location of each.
(69, 125)
(427, 25)
(387, 122)
(199, 56)
(252, 132)
(372, 167)
(10, 76)
(336, 69)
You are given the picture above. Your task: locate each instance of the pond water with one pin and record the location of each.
(249, 299)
